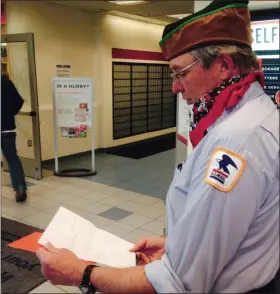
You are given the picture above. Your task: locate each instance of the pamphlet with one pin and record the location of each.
(69, 230)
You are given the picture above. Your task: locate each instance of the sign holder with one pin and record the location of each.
(72, 172)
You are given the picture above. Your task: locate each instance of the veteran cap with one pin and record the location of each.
(221, 22)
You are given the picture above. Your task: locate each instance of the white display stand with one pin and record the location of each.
(183, 145)
(73, 115)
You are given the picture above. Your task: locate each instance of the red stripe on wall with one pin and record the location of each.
(3, 16)
(136, 54)
(182, 139)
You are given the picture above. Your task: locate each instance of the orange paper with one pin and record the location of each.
(28, 243)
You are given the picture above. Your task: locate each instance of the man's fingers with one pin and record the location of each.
(42, 254)
(51, 248)
(142, 258)
(138, 246)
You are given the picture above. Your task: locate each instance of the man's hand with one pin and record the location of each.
(149, 249)
(61, 266)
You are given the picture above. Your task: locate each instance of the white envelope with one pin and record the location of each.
(69, 230)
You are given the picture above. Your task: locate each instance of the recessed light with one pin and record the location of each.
(129, 2)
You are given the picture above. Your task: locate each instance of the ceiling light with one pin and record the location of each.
(179, 15)
(129, 2)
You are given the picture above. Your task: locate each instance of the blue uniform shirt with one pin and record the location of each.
(223, 206)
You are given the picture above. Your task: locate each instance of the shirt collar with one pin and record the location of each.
(253, 92)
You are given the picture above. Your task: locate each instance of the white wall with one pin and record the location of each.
(62, 36)
(66, 35)
(117, 32)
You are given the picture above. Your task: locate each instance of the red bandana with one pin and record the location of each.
(227, 99)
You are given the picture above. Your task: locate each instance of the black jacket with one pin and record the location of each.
(11, 104)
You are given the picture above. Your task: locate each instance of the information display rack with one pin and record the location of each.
(270, 67)
(73, 117)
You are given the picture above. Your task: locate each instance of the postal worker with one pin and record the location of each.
(222, 231)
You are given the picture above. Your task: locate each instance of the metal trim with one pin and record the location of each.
(28, 38)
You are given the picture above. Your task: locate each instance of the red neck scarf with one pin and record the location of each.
(226, 99)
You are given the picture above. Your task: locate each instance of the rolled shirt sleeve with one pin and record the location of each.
(213, 224)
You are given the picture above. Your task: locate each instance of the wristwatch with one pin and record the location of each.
(86, 287)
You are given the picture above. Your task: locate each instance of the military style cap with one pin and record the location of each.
(221, 22)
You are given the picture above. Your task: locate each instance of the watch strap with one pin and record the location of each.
(86, 279)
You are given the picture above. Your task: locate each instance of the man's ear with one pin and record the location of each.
(227, 67)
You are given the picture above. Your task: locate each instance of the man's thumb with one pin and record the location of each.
(51, 248)
(42, 254)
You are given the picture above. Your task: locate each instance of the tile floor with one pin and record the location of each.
(125, 198)
(149, 176)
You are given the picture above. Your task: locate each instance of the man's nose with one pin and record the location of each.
(177, 87)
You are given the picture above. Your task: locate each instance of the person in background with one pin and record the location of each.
(222, 233)
(11, 103)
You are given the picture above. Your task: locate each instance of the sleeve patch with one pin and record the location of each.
(225, 169)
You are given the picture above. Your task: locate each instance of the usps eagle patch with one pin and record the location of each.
(225, 169)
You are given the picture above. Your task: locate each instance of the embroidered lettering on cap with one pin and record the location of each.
(225, 169)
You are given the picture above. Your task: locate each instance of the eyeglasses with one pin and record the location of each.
(181, 73)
